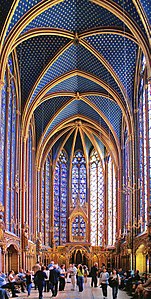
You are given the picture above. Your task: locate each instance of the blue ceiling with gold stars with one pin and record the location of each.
(86, 68)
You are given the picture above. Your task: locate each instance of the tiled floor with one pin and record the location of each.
(88, 293)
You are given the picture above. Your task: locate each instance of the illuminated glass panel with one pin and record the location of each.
(142, 122)
(57, 203)
(45, 209)
(149, 117)
(111, 203)
(110, 212)
(8, 174)
(42, 215)
(114, 205)
(47, 202)
(13, 148)
(29, 220)
(2, 143)
(60, 200)
(97, 204)
(78, 179)
(79, 228)
(126, 195)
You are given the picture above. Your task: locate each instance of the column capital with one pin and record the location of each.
(149, 80)
(1, 84)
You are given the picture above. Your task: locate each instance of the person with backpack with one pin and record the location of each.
(114, 282)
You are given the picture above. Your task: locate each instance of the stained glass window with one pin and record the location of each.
(149, 117)
(97, 200)
(8, 132)
(2, 143)
(60, 199)
(29, 198)
(126, 195)
(111, 203)
(46, 201)
(79, 229)
(78, 179)
(142, 122)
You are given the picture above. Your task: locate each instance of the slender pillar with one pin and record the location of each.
(1, 87)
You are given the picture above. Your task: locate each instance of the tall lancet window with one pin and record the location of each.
(126, 198)
(46, 201)
(97, 200)
(149, 117)
(142, 122)
(111, 204)
(60, 199)
(8, 149)
(2, 137)
(29, 199)
(78, 179)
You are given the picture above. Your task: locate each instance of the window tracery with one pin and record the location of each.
(60, 199)
(142, 123)
(97, 200)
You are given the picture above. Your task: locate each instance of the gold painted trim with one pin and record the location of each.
(62, 145)
(20, 25)
(91, 105)
(7, 22)
(42, 31)
(109, 68)
(60, 127)
(108, 30)
(87, 101)
(49, 86)
(130, 23)
(58, 54)
(143, 18)
(89, 134)
(44, 152)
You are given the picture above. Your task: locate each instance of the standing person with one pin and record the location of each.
(62, 278)
(40, 277)
(46, 286)
(94, 275)
(28, 282)
(73, 273)
(36, 268)
(86, 273)
(104, 277)
(114, 282)
(80, 273)
(54, 278)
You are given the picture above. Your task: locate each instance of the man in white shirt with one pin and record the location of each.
(73, 273)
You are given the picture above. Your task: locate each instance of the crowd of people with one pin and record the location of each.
(54, 278)
(139, 287)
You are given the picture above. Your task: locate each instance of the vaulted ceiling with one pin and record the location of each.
(77, 62)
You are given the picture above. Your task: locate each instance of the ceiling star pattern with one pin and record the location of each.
(77, 84)
(4, 9)
(121, 53)
(72, 59)
(75, 16)
(129, 7)
(111, 110)
(96, 63)
(77, 107)
(45, 112)
(147, 8)
(101, 145)
(33, 55)
(22, 7)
